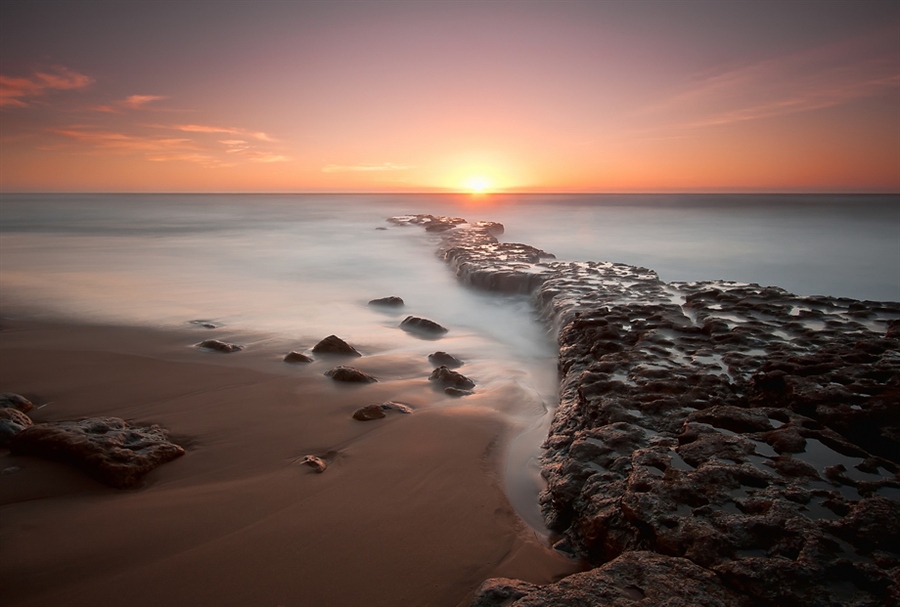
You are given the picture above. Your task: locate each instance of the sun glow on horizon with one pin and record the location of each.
(478, 184)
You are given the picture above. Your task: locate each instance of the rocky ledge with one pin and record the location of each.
(741, 434)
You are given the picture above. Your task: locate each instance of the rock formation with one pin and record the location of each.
(106, 448)
(714, 430)
(335, 345)
(390, 302)
(219, 346)
(444, 359)
(297, 357)
(422, 326)
(349, 374)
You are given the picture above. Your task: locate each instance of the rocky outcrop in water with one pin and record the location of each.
(219, 346)
(743, 429)
(297, 357)
(8, 400)
(422, 326)
(350, 374)
(390, 302)
(443, 359)
(372, 412)
(12, 421)
(106, 448)
(335, 345)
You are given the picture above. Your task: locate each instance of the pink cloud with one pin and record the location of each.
(15, 91)
(386, 166)
(202, 128)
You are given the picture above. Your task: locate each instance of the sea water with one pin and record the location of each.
(287, 270)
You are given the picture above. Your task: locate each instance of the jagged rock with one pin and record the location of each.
(15, 401)
(445, 360)
(107, 448)
(393, 302)
(633, 579)
(316, 463)
(297, 357)
(219, 346)
(416, 324)
(368, 413)
(335, 345)
(349, 374)
(451, 379)
(12, 421)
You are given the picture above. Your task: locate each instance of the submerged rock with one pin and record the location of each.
(445, 360)
(368, 413)
(349, 374)
(316, 463)
(15, 401)
(450, 378)
(451, 391)
(392, 302)
(423, 326)
(297, 357)
(335, 345)
(204, 324)
(219, 346)
(106, 448)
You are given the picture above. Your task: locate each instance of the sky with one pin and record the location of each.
(419, 95)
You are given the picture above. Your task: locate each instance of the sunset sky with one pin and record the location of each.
(369, 95)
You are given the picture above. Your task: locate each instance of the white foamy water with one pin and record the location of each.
(291, 269)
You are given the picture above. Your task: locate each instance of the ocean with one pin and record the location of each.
(284, 271)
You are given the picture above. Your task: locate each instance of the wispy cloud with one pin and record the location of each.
(386, 166)
(132, 102)
(203, 128)
(122, 141)
(811, 80)
(19, 92)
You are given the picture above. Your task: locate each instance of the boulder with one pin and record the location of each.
(204, 324)
(297, 357)
(451, 379)
(12, 421)
(423, 326)
(106, 448)
(335, 345)
(445, 360)
(451, 391)
(349, 374)
(368, 413)
(15, 401)
(219, 346)
(391, 302)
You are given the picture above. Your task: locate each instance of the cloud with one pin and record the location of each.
(202, 128)
(386, 166)
(814, 79)
(121, 141)
(132, 102)
(15, 91)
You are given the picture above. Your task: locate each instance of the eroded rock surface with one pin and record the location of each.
(748, 431)
(15, 401)
(12, 421)
(106, 448)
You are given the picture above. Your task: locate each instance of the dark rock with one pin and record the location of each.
(297, 357)
(15, 401)
(335, 345)
(316, 463)
(636, 578)
(369, 412)
(107, 448)
(451, 391)
(393, 302)
(349, 374)
(219, 346)
(205, 324)
(445, 360)
(12, 421)
(422, 325)
(398, 407)
(449, 378)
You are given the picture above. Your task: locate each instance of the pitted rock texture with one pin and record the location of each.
(751, 431)
(8, 400)
(106, 448)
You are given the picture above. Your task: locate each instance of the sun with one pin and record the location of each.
(478, 184)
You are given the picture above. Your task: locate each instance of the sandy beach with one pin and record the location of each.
(409, 512)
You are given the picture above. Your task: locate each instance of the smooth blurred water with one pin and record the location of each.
(295, 268)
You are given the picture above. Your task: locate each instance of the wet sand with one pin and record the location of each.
(409, 512)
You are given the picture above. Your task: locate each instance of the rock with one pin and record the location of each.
(393, 302)
(450, 378)
(368, 413)
(15, 401)
(445, 360)
(398, 407)
(297, 357)
(349, 374)
(423, 326)
(12, 421)
(106, 448)
(636, 578)
(316, 463)
(205, 324)
(219, 346)
(501, 591)
(335, 345)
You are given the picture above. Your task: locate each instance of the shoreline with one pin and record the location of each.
(410, 511)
